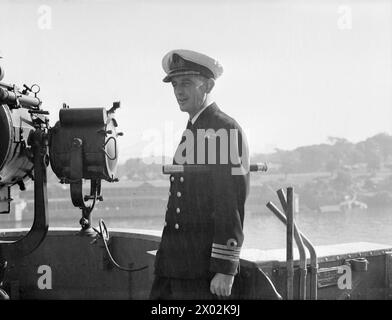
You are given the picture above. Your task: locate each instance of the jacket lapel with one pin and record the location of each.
(200, 123)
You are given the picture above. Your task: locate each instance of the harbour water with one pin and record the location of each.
(262, 231)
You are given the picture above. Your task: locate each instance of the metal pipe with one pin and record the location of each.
(300, 245)
(255, 167)
(197, 168)
(289, 245)
(301, 250)
(6, 86)
(308, 245)
(282, 199)
(11, 97)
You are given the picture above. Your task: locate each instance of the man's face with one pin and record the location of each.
(190, 92)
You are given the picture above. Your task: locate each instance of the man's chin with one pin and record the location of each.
(183, 107)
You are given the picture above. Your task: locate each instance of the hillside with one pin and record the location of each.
(323, 174)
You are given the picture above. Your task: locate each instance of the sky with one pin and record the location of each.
(295, 72)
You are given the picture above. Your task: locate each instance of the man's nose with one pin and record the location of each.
(179, 91)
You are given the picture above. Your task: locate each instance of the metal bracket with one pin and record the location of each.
(76, 187)
(358, 264)
(11, 250)
(115, 148)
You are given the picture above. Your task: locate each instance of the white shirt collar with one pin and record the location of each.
(193, 120)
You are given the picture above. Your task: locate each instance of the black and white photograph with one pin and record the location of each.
(208, 152)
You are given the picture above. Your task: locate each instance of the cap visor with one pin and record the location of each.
(180, 73)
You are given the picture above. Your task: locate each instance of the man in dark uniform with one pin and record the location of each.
(198, 257)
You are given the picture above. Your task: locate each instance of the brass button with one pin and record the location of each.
(182, 179)
(178, 194)
(165, 223)
(171, 178)
(169, 193)
(178, 210)
(176, 226)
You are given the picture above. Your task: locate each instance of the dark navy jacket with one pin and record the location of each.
(203, 231)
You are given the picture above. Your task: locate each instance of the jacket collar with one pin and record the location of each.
(205, 113)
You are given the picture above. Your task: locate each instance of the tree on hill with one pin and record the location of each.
(332, 165)
(343, 181)
(289, 161)
(371, 150)
(337, 154)
(381, 142)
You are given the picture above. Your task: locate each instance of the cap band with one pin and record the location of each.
(180, 66)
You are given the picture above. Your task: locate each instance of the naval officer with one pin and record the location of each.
(199, 253)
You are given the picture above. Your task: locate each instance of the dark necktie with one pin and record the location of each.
(189, 126)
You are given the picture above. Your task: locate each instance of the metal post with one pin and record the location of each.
(289, 244)
(308, 245)
(301, 248)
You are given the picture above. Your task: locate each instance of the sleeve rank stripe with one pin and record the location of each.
(221, 256)
(225, 252)
(220, 246)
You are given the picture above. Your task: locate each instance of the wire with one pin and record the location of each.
(104, 234)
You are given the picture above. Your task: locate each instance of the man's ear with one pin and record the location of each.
(210, 84)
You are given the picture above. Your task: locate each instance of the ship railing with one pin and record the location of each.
(302, 241)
